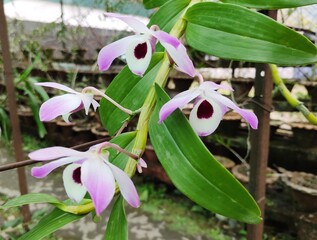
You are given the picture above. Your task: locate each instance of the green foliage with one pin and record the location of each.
(117, 227)
(271, 4)
(168, 14)
(148, 4)
(5, 129)
(50, 223)
(28, 199)
(125, 141)
(130, 91)
(181, 214)
(225, 31)
(31, 94)
(194, 171)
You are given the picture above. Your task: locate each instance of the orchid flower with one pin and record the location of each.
(71, 102)
(88, 171)
(139, 48)
(209, 108)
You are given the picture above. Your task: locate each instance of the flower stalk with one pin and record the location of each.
(96, 91)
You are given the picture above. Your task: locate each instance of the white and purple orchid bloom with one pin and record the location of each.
(138, 49)
(209, 108)
(66, 104)
(88, 171)
(73, 101)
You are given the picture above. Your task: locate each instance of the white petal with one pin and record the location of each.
(203, 121)
(131, 21)
(74, 188)
(57, 86)
(87, 100)
(139, 55)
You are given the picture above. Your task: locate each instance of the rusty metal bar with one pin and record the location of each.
(15, 125)
(260, 140)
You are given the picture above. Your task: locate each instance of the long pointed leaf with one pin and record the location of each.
(271, 4)
(234, 32)
(34, 105)
(29, 199)
(194, 171)
(50, 223)
(117, 227)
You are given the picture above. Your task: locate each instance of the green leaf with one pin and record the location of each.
(148, 4)
(130, 91)
(125, 141)
(271, 4)
(225, 31)
(117, 227)
(43, 96)
(34, 105)
(194, 171)
(168, 14)
(50, 223)
(5, 126)
(28, 199)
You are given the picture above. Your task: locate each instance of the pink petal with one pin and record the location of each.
(110, 52)
(59, 105)
(166, 38)
(54, 153)
(248, 115)
(141, 164)
(177, 102)
(137, 26)
(181, 59)
(139, 55)
(43, 171)
(97, 177)
(208, 124)
(126, 186)
(57, 86)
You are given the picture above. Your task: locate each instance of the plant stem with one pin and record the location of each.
(291, 99)
(100, 93)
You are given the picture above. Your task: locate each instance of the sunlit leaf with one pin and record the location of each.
(195, 171)
(234, 32)
(168, 14)
(148, 4)
(271, 4)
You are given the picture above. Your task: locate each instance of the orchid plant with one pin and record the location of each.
(221, 29)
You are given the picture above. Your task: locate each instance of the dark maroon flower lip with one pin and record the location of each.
(77, 175)
(205, 110)
(140, 50)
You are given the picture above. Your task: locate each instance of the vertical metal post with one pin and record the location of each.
(260, 142)
(16, 132)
